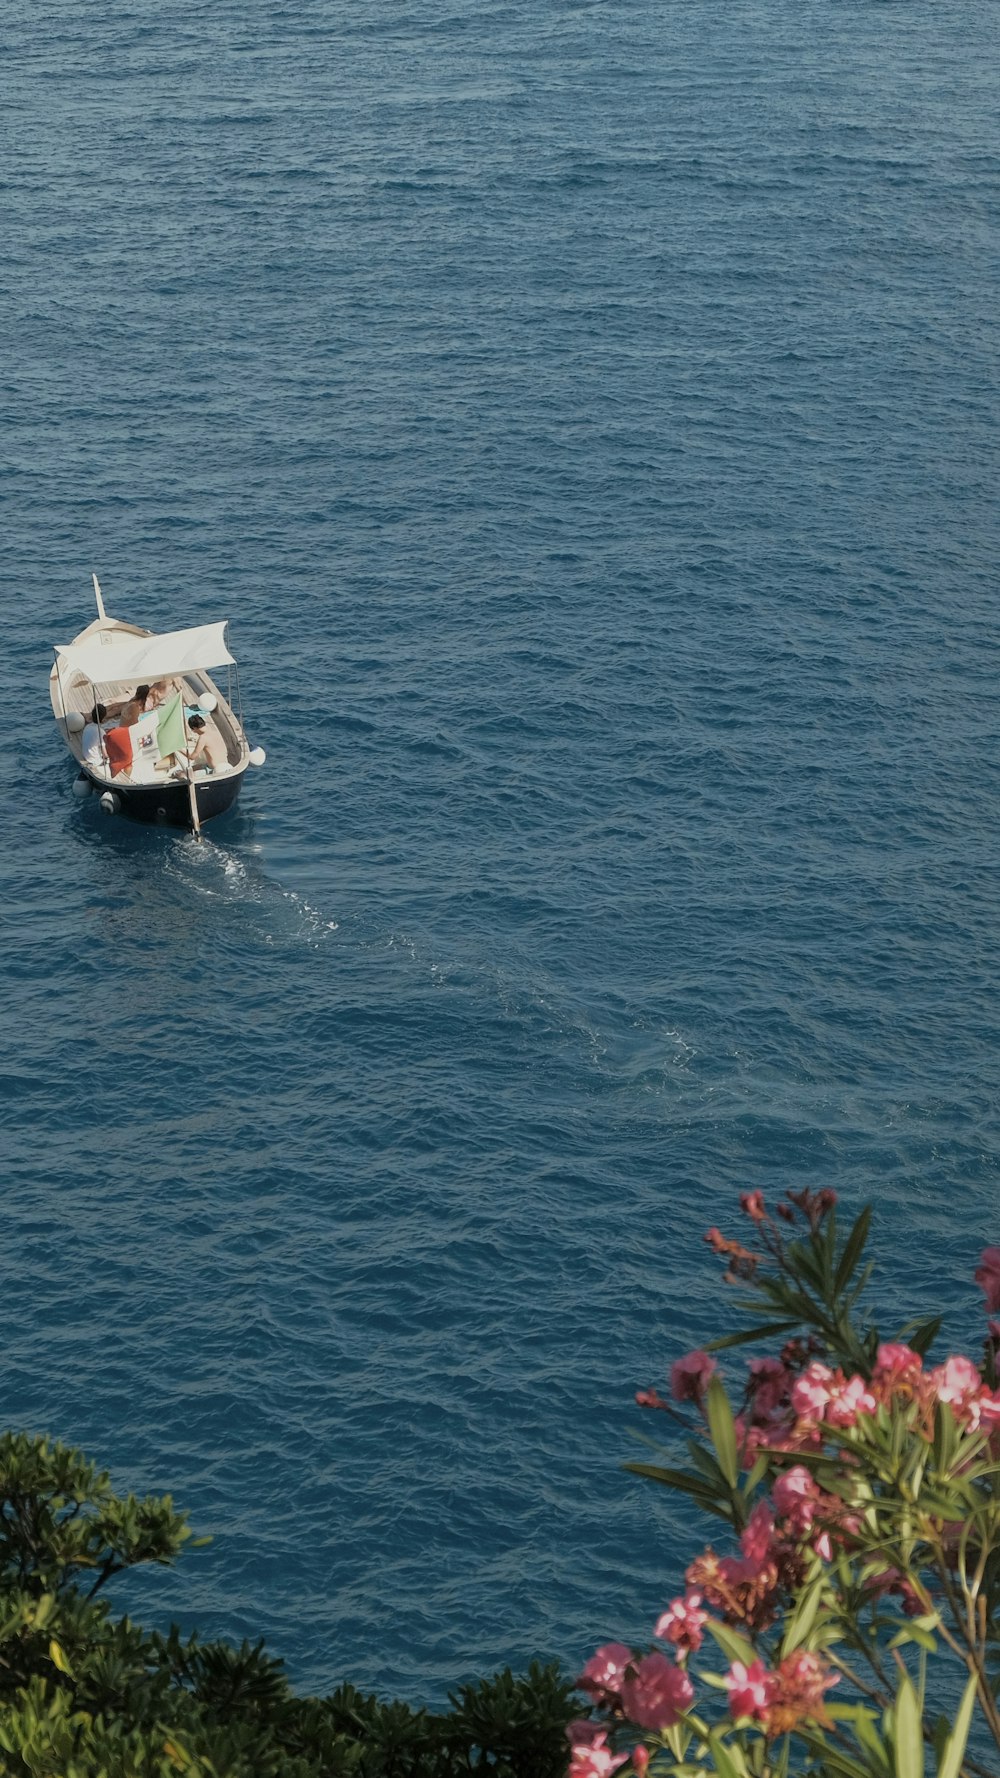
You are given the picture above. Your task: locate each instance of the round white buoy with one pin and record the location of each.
(208, 702)
(82, 786)
(75, 722)
(110, 803)
(257, 756)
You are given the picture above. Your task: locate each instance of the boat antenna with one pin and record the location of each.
(102, 614)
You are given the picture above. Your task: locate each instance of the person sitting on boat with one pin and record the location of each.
(129, 713)
(198, 753)
(92, 740)
(153, 695)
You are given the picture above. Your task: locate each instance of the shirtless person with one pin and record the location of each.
(198, 752)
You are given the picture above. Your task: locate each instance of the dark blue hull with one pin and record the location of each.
(169, 804)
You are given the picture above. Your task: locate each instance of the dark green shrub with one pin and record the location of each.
(86, 1694)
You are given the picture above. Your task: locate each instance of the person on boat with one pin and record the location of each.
(153, 695)
(92, 740)
(200, 753)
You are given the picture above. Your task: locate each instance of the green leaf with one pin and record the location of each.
(755, 1477)
(854, 1246)
(912, 1633)
(725, 1762)
(705, 1462)
(866, 1733)
(909, 1740)
(954, 1748)
(58, 1659)
(804, 1616)
(924, 1335)
(749, 1335)
(945, 1436)
(683, 1483)
(731, 1643)
(722, 1430)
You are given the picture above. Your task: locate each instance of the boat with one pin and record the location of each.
(178, 754)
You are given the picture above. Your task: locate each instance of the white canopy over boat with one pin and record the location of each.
(115, 655)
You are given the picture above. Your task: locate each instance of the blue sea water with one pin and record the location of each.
(586, 416)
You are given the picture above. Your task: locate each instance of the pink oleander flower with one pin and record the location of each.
(770, 1384)
(847, 1401)
(583, 1732)
(984, 1410)
(750, 1689)
(890, 1580)
(689, 1377)
(640, 1760)
(656, 1692)
(895, 1360)
(811, 1391)
(775, 1435)
(752, 1205)
(801, 1680)
(987, 1276)
(795, 1495)
(594, 1760)
(800, 1500)
(603, 1674)
(682, 1624)
(648, 1398)
(757, 1541)
(957, 1382)
(741, 1591)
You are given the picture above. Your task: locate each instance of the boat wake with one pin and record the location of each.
(240, 882)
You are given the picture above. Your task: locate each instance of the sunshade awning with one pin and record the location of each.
(115, 655)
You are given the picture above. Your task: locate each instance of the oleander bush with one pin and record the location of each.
(845, 1620)
(85, 1693)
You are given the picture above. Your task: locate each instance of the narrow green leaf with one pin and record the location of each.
(868, 1737)
(922, 1638)
(924, 1335)
(725, 1763)
(860, 1285)
(954, 1749)
(909, 1740)
(755, 1477)
(732, 1643)
(683, 1483)
(694, 1485)
(945, 1436)
(58, 1658)
(750, 1334)
(854, 1246)
(705, 1462)
(722, 1430)
(804, 1616)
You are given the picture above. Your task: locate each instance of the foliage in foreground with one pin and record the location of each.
(858, 1488)
(86, 1694)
